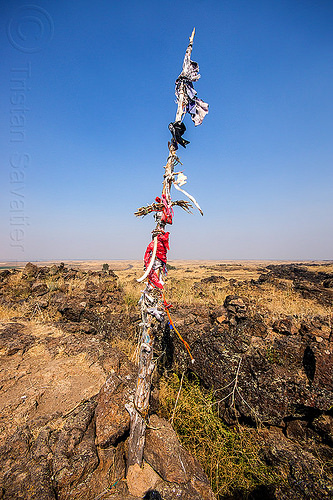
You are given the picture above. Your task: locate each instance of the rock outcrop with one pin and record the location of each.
(310, 284)
(273, 372)
(64, 385)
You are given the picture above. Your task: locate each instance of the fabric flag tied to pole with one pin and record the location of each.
(196, 107)
(152, 302)
(177, 130)
(154, 277)
(162, 248)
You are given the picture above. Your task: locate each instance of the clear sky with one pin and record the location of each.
(87, 93)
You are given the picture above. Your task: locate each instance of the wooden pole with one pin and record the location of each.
(139, 413)
(150, 300)
(139, 410)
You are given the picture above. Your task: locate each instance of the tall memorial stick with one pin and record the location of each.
(152, 302)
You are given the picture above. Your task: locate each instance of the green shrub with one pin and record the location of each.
(230, 456)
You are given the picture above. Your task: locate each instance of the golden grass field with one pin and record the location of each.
(183, 278)
(182, 287)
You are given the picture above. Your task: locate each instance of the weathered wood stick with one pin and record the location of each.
(139, 413)
(139, 409)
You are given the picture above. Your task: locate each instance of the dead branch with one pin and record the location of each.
(158, 207)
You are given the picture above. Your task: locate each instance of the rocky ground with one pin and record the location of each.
(65, 378)
(64, 385)
(276, 368)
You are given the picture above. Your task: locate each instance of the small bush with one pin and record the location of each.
(230, 456)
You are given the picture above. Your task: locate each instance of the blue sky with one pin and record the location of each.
(91, 140)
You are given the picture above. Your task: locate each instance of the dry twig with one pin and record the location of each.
(179, 390)
(158, 207)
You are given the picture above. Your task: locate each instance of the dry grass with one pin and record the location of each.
(131, 297)
(323, 268)
(274, 302)
(40, 315)
(131, 288)
(187, 292)
(231, 457)
(33, 313)
(7, 313)
(184, 287)
(129, 346)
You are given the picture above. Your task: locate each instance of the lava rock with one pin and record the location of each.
(30, 270)
(285, 326)
(39, 289)
(236, 307)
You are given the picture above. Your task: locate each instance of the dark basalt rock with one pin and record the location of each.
(72, 310)
(292, 272)
(13, 338)
(30, 270)
(310, 284)
(236, 308)
(4, 274)
(305, 478)
(314, 290)
(39, 289)
(328, 283)
(285, 326)
(284, 378)
(213, 279)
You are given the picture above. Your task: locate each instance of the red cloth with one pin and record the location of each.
(167, 210)
(154, 280)
(162, 248)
